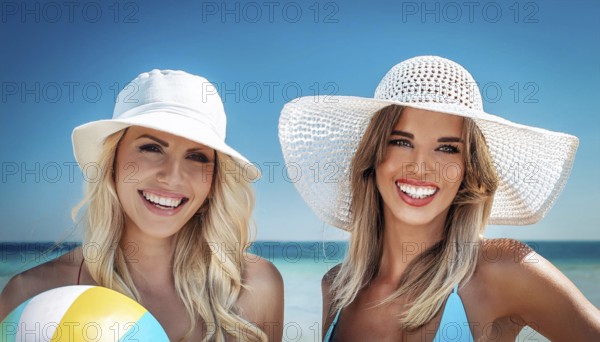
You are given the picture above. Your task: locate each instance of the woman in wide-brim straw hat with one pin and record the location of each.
(415, 174)
(167, 220)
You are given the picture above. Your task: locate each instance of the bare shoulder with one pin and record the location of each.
(506, 264)
(509, 262)
(498, 255)
(261, 275)
(329, 277)
(326, 282)
(501, 263)
(61, 271)
(520, 282)
(261, 298)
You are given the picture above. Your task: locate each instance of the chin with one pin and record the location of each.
(417, 222)
(159, 231)
(412, 218)
(161, 234)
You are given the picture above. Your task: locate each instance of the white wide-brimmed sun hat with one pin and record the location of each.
(319, 136)
(171, 101)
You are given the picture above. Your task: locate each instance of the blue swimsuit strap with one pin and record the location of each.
(332, 326)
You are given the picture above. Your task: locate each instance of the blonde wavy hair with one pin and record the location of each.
(207, 279)
(429, 278)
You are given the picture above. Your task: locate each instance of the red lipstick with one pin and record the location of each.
(416, 202)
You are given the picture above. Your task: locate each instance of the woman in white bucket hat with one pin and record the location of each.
(168, 216)
(415, 174)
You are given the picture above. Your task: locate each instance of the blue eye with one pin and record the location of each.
(401, 142)
(449, 149)
(150, 148)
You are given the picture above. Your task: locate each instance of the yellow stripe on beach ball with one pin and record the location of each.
(98, 314)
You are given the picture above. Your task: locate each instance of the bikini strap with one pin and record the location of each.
(80, 268)
(331, 328)
(455, 290)
(337, 316)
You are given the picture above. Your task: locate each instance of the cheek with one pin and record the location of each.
(125, 167)
(453, 173)
(202, 183)
(127, 173)
(383, 173)
(126, 182)
(119, 173)
(206, 186)
(132, 167)
(391, 165)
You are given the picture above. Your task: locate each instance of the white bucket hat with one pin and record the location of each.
(319, 136)
(171, 101)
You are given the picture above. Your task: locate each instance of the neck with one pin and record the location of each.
(149, 259)
(402, 243)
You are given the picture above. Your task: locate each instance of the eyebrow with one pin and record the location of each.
(450, 139)
(166, 144)
(160, 141)
(403, 134)
(441, 140)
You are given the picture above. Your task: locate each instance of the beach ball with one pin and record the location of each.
(81, 313)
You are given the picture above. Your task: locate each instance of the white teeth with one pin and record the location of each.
(164, 201)
(417, 192)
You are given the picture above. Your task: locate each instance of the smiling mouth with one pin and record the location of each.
(416, 192)
(165, 203)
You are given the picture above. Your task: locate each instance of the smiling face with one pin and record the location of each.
(161, 180)
(422, 168)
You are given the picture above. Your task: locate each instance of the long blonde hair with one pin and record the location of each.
(207, 279)
(429, 278)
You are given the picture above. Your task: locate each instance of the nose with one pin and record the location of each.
(422, 166)
(170, 172)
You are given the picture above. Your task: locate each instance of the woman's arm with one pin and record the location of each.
(262, 297)
(14, 293)
(61, 271)
(539, 295)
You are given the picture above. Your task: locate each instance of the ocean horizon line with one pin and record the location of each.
(293, 250)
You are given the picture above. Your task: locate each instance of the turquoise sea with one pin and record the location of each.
(302, 264)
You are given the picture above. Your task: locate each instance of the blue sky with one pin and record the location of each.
(62, 64)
